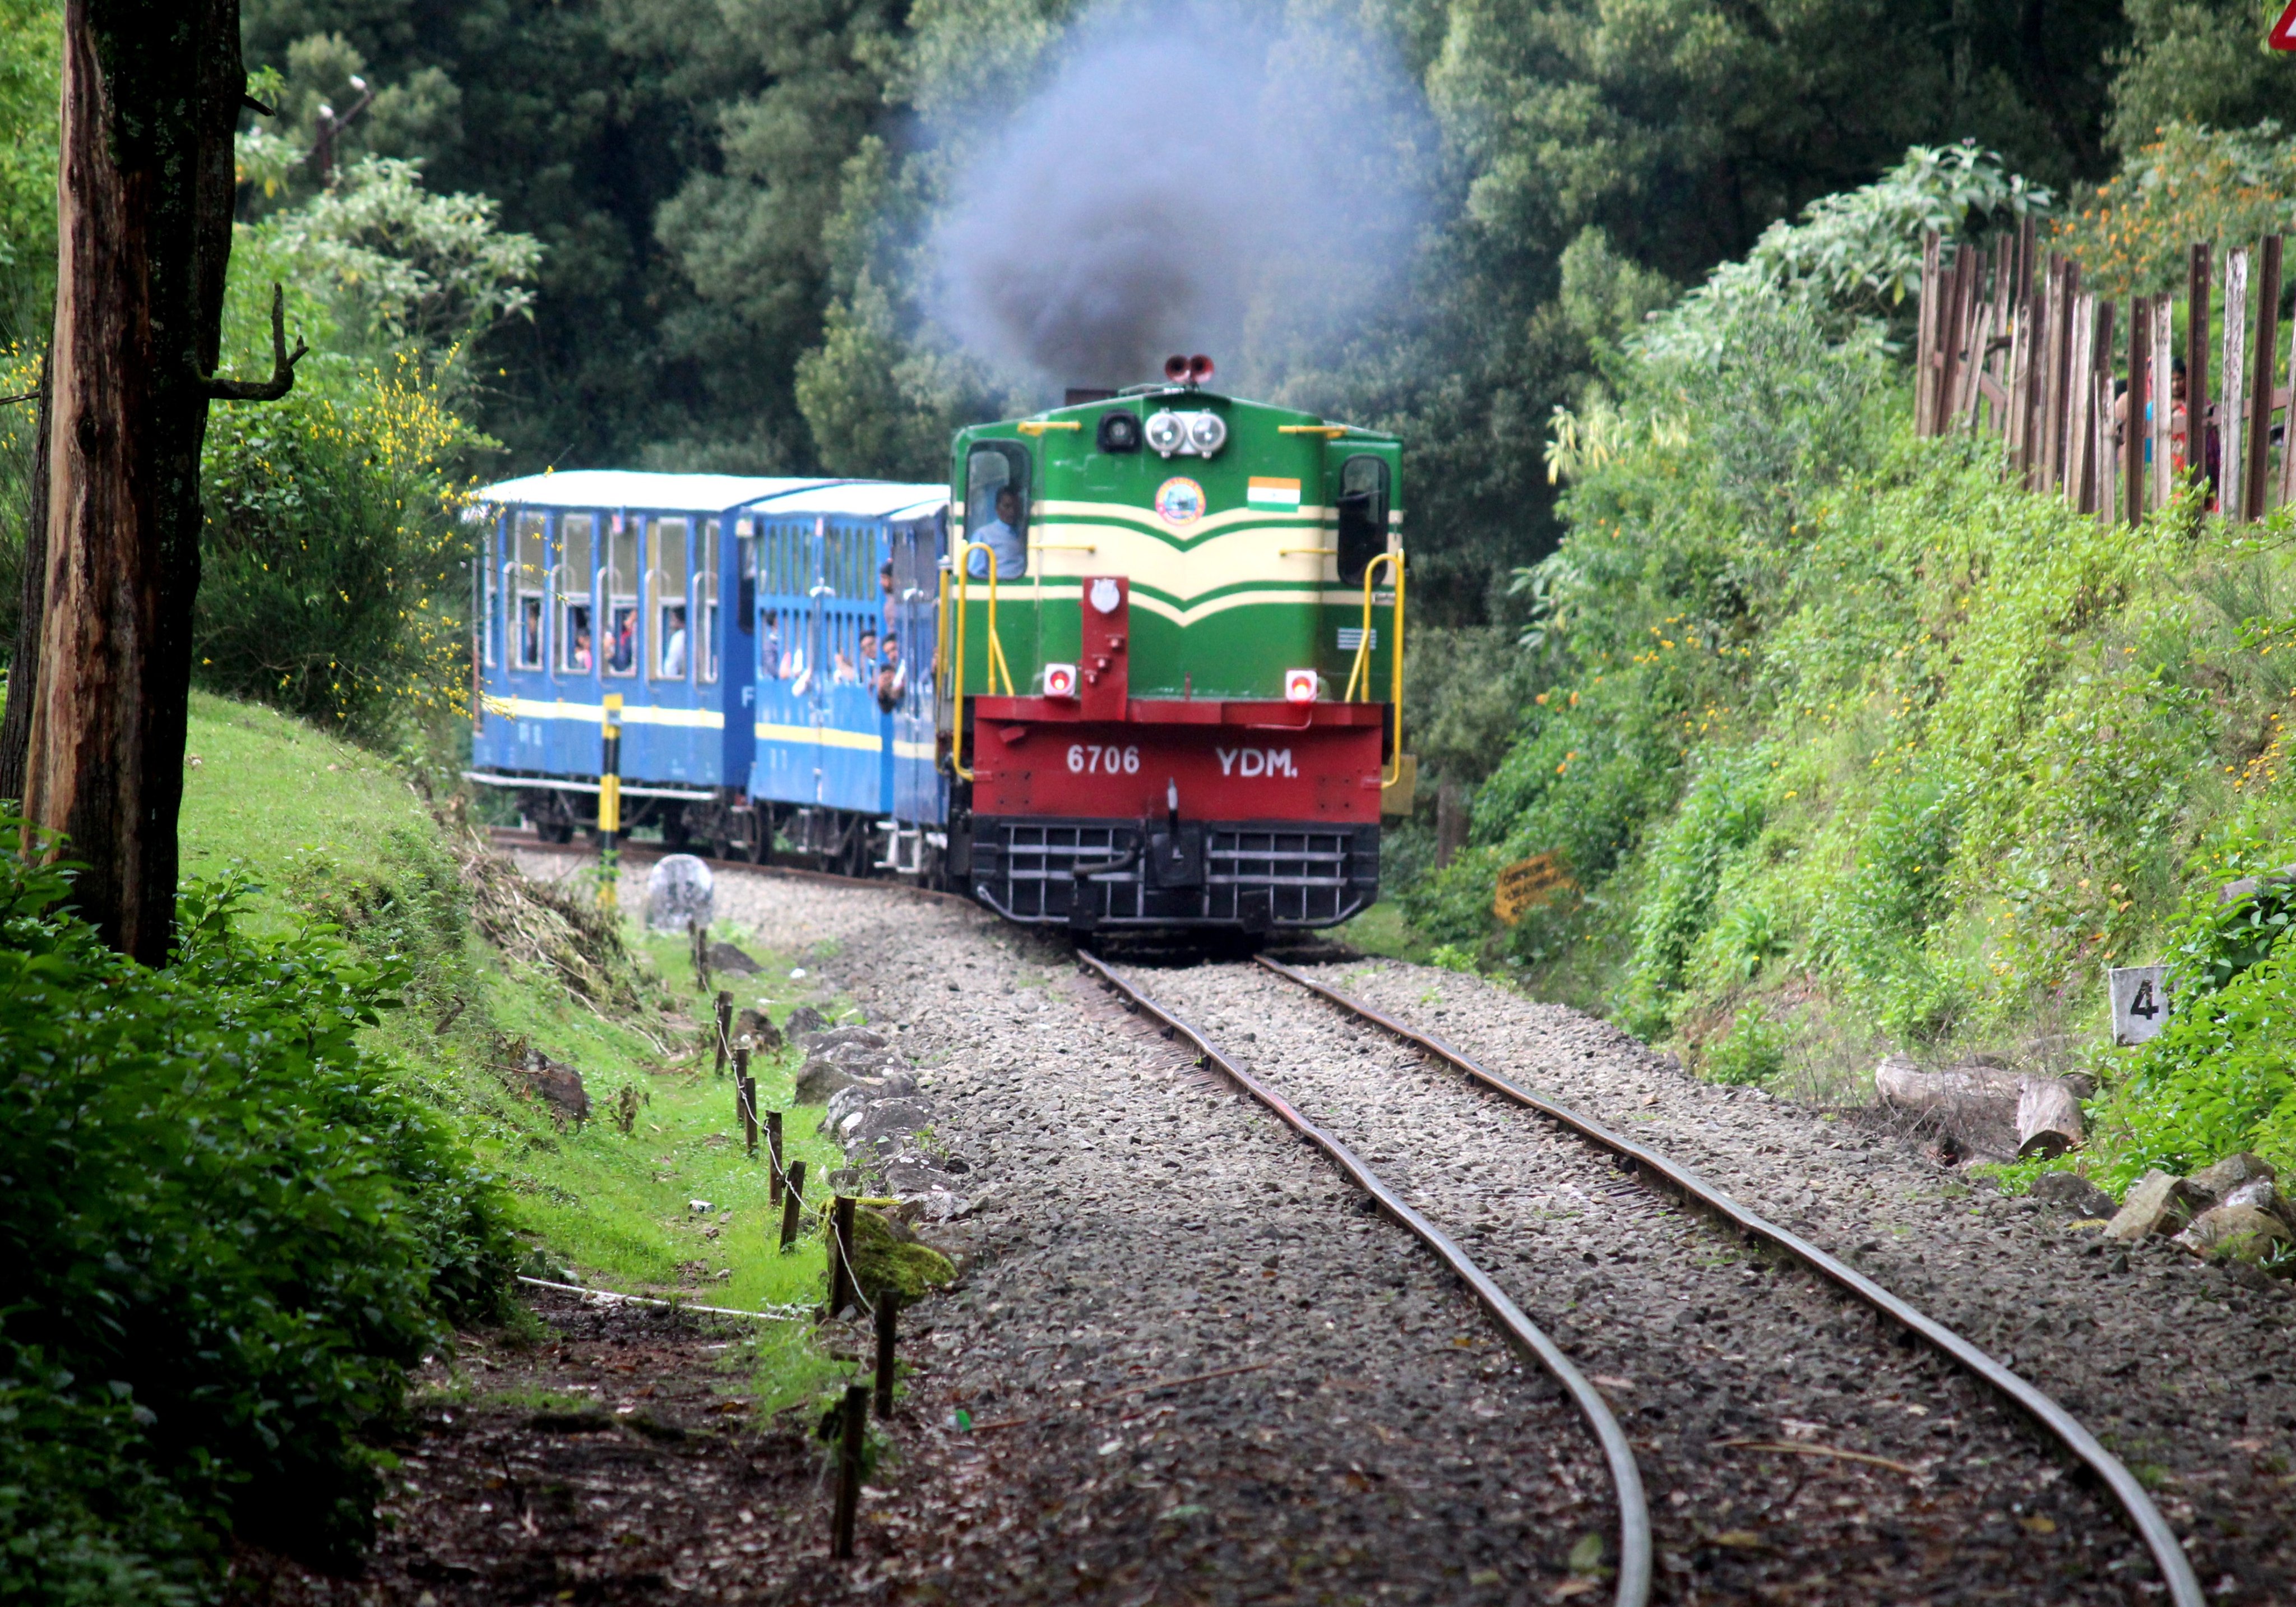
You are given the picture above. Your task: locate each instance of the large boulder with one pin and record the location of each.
(882, 1119)
(556, 1084)
(817, 1080)
(2075, 1192)
(2159, 1203)
(679, 890)
(724, 957)
(2221, 1179)
(2243, 1233)
(754, 1030)
(802, 1020)
(821, 1042)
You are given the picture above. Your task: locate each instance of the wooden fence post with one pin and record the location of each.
(725, 1016)
(855, 1425)
(889, 1313)
(2196, 359)
(2231, 410)
(2159, 402)
(792, 1203)
(843, 1291)
(2132, 419)
(1926, 349)
(2260, 411)
(2080, 458)
(774, 1159)
(745, 1093)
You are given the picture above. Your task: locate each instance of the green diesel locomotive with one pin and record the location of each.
(1169, 693)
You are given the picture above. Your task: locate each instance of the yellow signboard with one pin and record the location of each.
(1528, 885)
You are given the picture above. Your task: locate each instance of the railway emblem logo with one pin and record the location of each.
(1104, 595)
(1180, 500)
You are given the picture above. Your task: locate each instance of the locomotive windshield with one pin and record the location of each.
(997, 507)
(1363, 515)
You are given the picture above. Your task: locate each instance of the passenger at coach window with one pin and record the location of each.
(673, 643)
(1002, 536)
(892, 675)
(868, 650)
(578, 657)
(622, 648)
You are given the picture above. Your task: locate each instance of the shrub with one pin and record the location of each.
(334, 577)
(228, 1236)
(1754, 1050)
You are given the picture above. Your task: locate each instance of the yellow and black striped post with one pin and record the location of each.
(610, 805)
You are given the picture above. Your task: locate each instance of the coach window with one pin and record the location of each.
(578, 579)
(1363, 515)
(621, 644)
(705, 607)
(672, 638)
(745, 576)
(531, 577)
(490, 593)
(997, 507)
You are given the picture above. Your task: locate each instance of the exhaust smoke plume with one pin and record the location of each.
(1184, 181)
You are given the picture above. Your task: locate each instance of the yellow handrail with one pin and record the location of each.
(997, 665)
(1360, 671)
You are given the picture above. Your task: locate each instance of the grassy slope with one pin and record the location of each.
(309, 818)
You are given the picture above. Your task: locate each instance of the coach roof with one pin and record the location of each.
(642, 491)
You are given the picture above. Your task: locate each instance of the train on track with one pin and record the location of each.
(1138, 665)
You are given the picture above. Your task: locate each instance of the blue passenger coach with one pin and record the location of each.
(745, 622)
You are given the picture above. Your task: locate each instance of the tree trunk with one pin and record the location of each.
(24, 668)
(151, 92)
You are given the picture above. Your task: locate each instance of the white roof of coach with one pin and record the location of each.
(635, 489)
(854, 499)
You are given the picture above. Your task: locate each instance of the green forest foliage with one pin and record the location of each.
(731, 195)
(1853, 746)
(230, 1236)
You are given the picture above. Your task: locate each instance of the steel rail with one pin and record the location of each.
(2167, 1552)
(1634, 1509)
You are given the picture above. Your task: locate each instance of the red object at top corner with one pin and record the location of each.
(2282, 35)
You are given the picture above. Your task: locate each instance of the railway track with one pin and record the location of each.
(1789, 1450)
(1887, 1463)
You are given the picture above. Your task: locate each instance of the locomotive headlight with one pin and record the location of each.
(1207, 432)
(1166, 432)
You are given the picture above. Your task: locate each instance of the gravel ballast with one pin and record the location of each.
(1097, 1262)
(2179, 1366)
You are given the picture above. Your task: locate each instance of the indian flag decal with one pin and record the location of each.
(1266, 492)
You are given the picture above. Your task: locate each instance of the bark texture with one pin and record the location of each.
(24, 667)
(151, 92)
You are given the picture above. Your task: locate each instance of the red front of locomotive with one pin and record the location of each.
(1091, 808)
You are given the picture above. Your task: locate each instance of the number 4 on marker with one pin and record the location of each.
(2142, 1004)
(2282, 35)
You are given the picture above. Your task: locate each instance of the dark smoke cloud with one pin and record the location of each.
(1184, 180)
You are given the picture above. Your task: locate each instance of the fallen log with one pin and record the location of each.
(2048, 1118)
(2042, 1112)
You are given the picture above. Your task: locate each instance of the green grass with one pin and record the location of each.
(309, 816)
(1383, 930)
(267, 792)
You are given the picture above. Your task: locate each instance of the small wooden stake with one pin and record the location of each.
(724, 1029)
(773, 1158)
(792, 1203)
(745, 1092)
(888, 1311)
(842, 1290)
(848, 1471)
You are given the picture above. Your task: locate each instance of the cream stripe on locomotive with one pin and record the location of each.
(1288, 554)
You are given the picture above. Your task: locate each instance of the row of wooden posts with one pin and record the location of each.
(2011, 345)
(785, 1191)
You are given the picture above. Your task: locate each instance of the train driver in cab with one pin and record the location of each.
(1002, 535)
